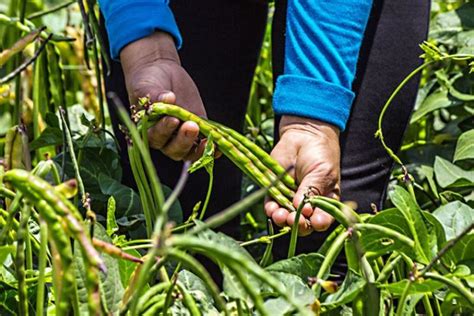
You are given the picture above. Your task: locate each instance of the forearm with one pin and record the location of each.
(130, 20)
(323, 39)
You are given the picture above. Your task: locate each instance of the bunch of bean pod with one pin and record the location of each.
(60, 215)
(251, 159)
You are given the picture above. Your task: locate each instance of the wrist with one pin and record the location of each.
(311, 126)
(157, 47)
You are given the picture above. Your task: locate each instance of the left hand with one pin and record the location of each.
(312, 148)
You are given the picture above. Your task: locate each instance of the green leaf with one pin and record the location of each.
(351, 287)
(51, 136)
(126, 268)
(437, 100)
(5, 251)
(304, 265)
(295, 287)
(448, 174)
(207, 158)
(465, 146)
(198, 289)
(462, 250)
(455, 217)
(377, 243)
(412, 214)
(111, 286)
(420, 286)
(428, 172)
(126, 200)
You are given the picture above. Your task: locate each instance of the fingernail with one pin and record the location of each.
(162, 97)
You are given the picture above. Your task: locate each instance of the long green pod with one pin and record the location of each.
(256, 160)
(42, 258)
(225, 146)
(264, 157)
(36, 190)
(188, 300)
(21, 236)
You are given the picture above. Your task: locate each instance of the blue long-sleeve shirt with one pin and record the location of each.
(323, 39)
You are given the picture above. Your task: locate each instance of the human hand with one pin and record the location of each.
(312, 148)
(152, 68)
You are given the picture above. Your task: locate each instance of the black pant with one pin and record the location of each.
(222, 39)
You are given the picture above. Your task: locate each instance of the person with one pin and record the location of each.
(334, 62)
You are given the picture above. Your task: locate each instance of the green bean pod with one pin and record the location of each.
(21, 235)
(264, 157)
(188, 300)
(227, 147)
(10, 235)
(37, 190)
(268, 172)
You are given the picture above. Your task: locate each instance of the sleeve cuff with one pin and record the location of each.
(138, 19)
(311, 98)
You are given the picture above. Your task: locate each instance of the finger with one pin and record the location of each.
(279, 217)
(180, 145)
(304, 227)
(160, 133)
(196, 151)
(307, 209)
(320, 220)
(270, 207)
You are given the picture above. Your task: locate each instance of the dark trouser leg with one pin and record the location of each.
(389, 52)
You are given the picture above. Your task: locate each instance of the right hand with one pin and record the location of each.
(152, 68)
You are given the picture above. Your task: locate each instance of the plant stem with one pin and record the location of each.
(294, 230)
(42, 266)
(230, 212)
(427, 305)
(53, 9)
(266, 239)
(456, 286)
(403, 298)
(208, 195)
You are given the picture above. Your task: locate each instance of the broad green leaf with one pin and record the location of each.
(127, 201)
(448, 174)
(377, 243)
(437, 100)
(462, 250)
(428, 172)
(304, 265)
(417, 287)
(436, 233)
(465, 146)
(51, 136)
(126, 268)
(455, 217)
(8, 299)
(111, 286)
(351, 287)
(295, 287)
(198, 289)
(5, 251)
(416, 224)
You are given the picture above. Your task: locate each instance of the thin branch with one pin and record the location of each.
(53, 9)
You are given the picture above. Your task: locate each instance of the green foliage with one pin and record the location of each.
(416, 253)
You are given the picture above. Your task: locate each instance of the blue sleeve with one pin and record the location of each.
(323, 39)
(129, 20)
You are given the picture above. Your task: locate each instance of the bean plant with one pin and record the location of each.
(75, 240)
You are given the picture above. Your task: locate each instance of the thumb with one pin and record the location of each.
(166, 97)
